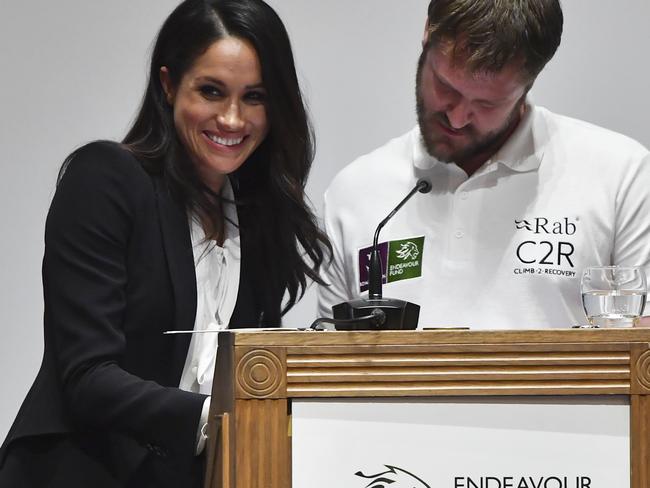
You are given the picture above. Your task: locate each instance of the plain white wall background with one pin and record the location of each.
(74, 71)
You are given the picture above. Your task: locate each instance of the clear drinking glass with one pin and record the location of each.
(613, 296)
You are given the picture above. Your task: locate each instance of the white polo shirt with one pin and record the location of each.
(504, 248)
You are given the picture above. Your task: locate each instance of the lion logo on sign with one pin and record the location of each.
(393, 478)
(408, 250)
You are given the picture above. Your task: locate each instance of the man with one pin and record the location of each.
(522, 199)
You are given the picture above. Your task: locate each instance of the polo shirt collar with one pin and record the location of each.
(421, 158)
(522, 152)
(524, 149)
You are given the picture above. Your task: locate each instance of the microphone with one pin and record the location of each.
(377, 312)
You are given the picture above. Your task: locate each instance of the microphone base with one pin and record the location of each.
(400, 315)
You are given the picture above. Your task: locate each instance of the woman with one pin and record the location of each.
(206, 193)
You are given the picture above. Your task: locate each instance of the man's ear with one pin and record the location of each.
(167, 85)
(427, 33)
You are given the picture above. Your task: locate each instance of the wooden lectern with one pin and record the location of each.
(258, 374)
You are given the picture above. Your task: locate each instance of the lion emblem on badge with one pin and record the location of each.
(408, 250)
(394, 477)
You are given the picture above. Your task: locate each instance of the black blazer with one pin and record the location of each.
(118, 270)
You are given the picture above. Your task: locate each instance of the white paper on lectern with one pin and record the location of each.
(577, 442)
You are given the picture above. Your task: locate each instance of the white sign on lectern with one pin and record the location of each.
(577, 442)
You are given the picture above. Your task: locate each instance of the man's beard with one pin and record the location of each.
(435, 141)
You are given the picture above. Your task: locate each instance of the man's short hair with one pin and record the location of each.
(487, 35)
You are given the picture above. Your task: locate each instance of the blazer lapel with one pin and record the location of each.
(180, 261)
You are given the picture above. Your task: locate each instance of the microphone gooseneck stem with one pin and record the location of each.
(375, 267)
(374, 275)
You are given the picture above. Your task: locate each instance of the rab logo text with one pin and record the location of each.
(541, 225)
(394, 477)
(544, 246)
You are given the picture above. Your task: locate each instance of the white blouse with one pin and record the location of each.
(217, 283)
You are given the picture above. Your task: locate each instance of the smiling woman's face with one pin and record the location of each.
(220, 108)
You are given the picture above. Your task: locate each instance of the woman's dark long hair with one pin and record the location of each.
(280, 238)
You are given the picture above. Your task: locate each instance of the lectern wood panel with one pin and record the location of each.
(259, 373)
(263, 445)
(482, 372)
(639, 435)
